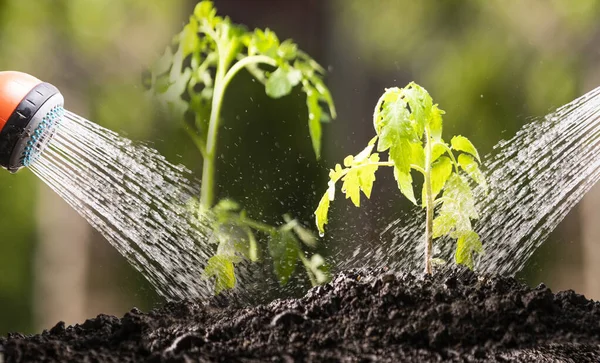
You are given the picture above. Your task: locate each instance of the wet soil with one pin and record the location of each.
(361, 316)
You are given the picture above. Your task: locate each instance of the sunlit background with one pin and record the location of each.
(491, 65)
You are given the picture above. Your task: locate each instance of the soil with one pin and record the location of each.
(361, 316)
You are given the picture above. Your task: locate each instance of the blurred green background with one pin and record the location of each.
(491, 65)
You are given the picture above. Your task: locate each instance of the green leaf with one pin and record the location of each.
(467, 245)
(302, 233)
(437, 151)
(401, 155)
(221, 267)
(396, 132)
(264, 42)
(324, 93)
(314, 119)
(205, 10)
(459, 203)
(284, 249)
(469, 165)
(417, 154)
(252, 246)
(420, 104)
(321, 213)
(316, 269)
(287, 50)
(405, 185)
(461, 143)
(360, 175)
(435, 123)
(188, 38)
(440, 172)
(443, 225)
(281, 82)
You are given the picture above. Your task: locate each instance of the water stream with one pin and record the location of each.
(135, 198)
(139, 201)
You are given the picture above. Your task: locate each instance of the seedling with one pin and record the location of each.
(409, 128)
(191, 78)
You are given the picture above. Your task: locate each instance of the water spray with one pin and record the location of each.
(30, 113)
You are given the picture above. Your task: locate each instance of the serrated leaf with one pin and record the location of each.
(360, 176)
(264, 42)
(281, 82)
(405, 185)
(443, 225)
(437, 151)
(440, 172)
(470, 166)
(283, 247)
(420, 104)
(467, 245)
(417, 154)
(222, 268)
(435, 123)
(321, 213)
(459, 203)
(395, 123)
(336, 173)
(401, 155)
(396, 132)
(461, 143)
(366, 175)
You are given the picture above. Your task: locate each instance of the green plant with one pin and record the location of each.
(191, 78)
(409, 127)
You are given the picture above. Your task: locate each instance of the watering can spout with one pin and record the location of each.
(30, 113)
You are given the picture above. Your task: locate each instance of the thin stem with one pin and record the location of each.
(196, 139)
(306, 263)
(222, 79)
(208, 167)
(429, 202)
(244, 62)
(449, 153)
(259, 226)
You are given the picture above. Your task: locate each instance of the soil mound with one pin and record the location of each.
(361, 316)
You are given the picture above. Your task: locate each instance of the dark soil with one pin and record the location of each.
(362, 316)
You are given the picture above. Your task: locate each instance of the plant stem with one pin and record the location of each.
(208, 167)
(222, 79)
(429, 203)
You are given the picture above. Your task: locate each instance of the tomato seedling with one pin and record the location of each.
(409, 128)
(191, 78)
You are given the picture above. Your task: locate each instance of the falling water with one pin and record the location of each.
(136, 199)
(536, 178)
